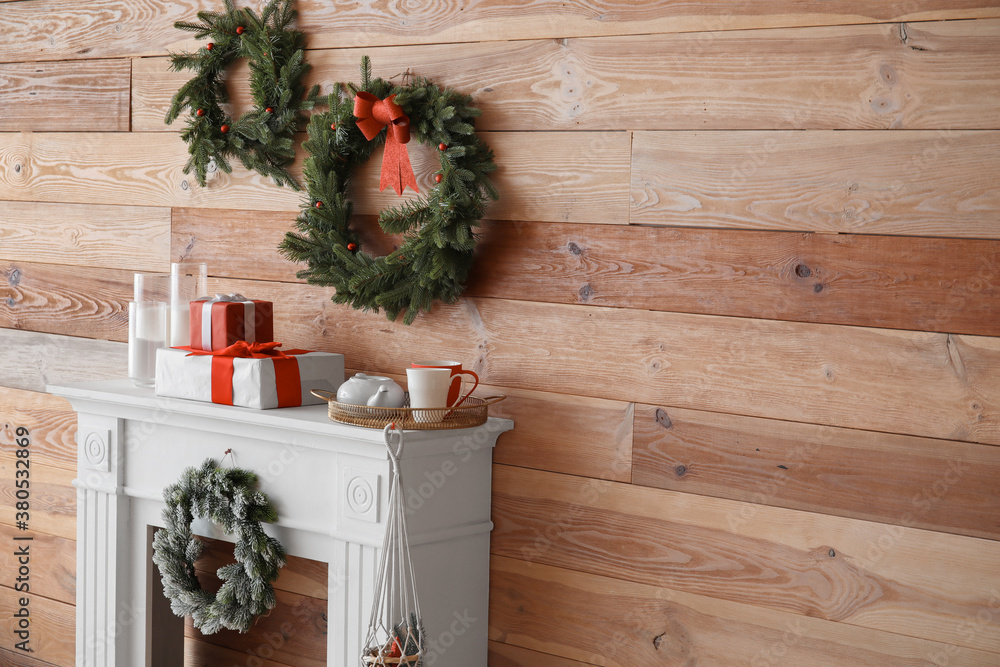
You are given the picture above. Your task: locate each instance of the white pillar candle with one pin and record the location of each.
(180, 324)
(147, 332)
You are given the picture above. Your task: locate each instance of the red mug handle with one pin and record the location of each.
(458, 376)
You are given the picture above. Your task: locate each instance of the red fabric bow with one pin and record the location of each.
(246, 350)
(373, 114)
(286, 370)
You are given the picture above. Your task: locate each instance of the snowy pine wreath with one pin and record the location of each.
(225, 496)
(439, 228)
(261, 138)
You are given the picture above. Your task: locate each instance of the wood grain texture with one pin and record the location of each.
(932, 484)
(15, 657)
(590, 437)
(294, 632)
(32, 360)
(917, 383)
(87, 96)
(120, 237)
(949, 285)
(146, 169)
(98, 29)
(917, 183)
(301, 576)
(506, 655)
(51, 423)
(52, 502)
(933, 385)
(913, 75)
(198, 653)
(604, 621)
(927, 284)
(730, 564)
(65, 300)
(111, 28)
(220, 238)
(53, 631)
(920, 583)
(52, 564)
(576, 435)
(236, 243)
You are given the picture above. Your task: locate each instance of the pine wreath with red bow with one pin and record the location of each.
(439, 227)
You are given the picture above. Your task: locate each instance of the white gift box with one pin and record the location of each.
(255, 381)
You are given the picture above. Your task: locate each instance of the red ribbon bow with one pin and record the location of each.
(373, 114)
(286, 370)
(246, 350)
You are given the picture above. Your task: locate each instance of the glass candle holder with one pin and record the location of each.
(148, 325)
(151, 287)
(188, 281)
(147, 332)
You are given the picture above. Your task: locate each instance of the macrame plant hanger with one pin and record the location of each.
(395, 630)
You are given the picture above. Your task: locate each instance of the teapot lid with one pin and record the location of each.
(365, 376)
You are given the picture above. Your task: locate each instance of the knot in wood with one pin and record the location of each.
(663, 419)
(14, 277)
(803, 271)
(888, 74)
(681, 470)
(586, 292)
(574, 248)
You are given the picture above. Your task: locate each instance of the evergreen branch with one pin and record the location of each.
(437, 254)
(261, 140)
(226, 497)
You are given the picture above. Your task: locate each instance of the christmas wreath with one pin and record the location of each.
(226, 496)
(439, 228)
(260, 138)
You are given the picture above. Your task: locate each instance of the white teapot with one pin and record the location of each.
(372, 390)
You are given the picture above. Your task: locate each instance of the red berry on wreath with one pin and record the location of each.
(269, 109)
(200, 112)
(333, 126)
(209, 46)
(224, 129)
(442, 147)
(319, 204)
(240, 30)
(352, 246)
(437, 178)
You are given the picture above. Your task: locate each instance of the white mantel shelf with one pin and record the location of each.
(329, 483)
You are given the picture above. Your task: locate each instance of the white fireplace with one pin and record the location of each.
(329, 483)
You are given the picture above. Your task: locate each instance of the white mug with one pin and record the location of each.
(428, 388)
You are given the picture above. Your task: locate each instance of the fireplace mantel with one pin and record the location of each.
(329, 482)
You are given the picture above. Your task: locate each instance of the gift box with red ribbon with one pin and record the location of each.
(218, 322)
(251, 375)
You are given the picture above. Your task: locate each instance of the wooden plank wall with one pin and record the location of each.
(742, 289)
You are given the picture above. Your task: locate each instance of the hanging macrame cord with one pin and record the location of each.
(395, 630)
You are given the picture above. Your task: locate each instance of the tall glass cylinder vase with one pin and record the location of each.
(148, 325)
(188, 281)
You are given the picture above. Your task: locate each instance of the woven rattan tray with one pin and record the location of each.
(472, 412)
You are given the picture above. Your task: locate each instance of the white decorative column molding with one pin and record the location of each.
(329, 483)
(101, 597)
